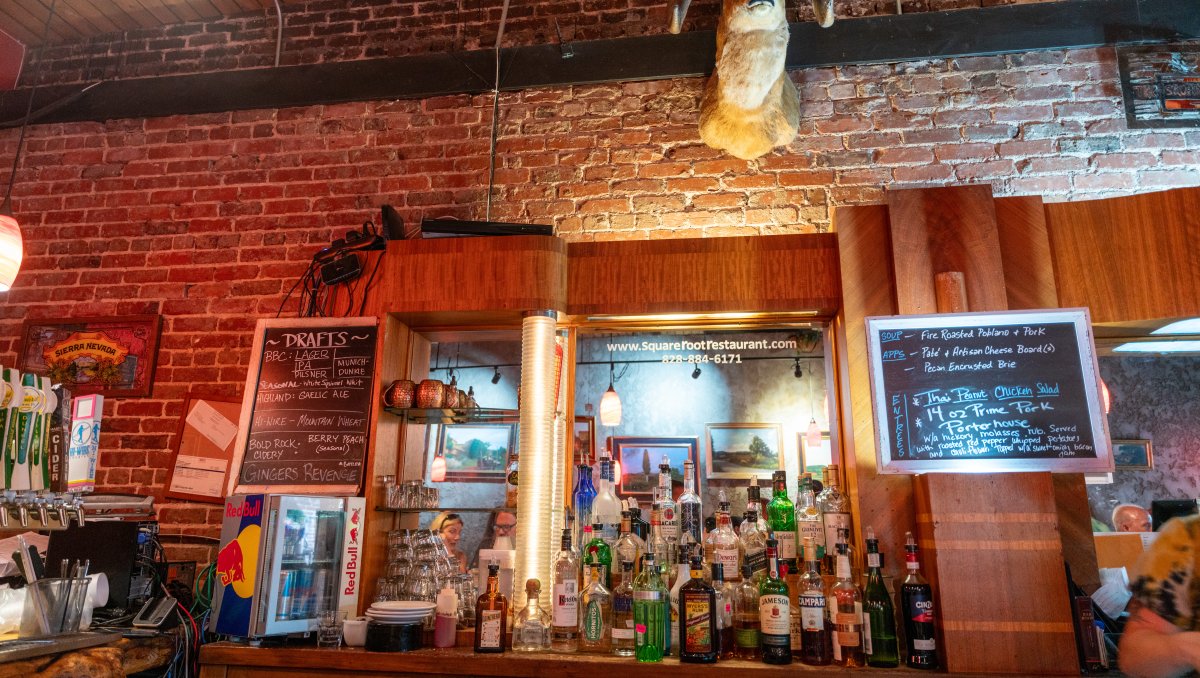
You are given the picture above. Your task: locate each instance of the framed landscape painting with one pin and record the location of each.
(742, 451)
(640, 459)
(1133, 455)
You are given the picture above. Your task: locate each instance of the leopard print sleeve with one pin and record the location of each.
(1164, 580)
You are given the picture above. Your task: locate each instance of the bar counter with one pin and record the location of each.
(230, 660)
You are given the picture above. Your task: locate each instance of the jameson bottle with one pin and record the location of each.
(781, 516)
(774, 614)
(622, 625)
(698, 637)
(879, 615)
(651, 613)
(916, 604)
(564, 605)
(816, 642)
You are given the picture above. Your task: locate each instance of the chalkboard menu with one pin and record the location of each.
(307, 411)
(977, 392)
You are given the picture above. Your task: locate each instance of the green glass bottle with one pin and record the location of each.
(781, 517)
(774, 612)
(879, 638)
(651, 612)
(596, 550)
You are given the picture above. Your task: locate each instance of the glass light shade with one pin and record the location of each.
(437, 472)
(12, 250)
(610, 408)
(813, 435)
(1105, 397)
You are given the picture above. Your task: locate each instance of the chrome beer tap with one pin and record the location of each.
(39, 500)
(60, 507)
(23, 506)
(77, 509)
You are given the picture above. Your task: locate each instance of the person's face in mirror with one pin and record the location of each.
(506, 525)
(451, 534)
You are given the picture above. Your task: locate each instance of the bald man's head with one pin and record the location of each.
(1131, 518)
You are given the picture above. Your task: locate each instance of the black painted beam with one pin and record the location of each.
(893, 38)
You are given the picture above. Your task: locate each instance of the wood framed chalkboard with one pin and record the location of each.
(306, 413)
(984, 392)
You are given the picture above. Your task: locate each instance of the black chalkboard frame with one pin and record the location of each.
(1080, 318)
(249, 397)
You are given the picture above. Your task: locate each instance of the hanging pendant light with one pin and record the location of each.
(437, 471)
(610, 403)
(813, 435)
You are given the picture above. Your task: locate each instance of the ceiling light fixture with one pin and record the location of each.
(496, 376)
(610, 402)
(813, 435)
(796, 371)
(696, 373)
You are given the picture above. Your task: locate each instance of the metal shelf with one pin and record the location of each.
(454, 416)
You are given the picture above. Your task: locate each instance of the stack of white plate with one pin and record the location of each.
(399, 611)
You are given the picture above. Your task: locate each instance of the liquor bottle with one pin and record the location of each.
(835, 515)
(658, 545)
(564, 630)
(843, 545)
(583, 497)
(726, 591)
(682, 574)
(651, 612)
(510, 481)
(531, 626)
(629, 547)
(754, 502)
(622, 624)
(666, 503)
(745, 616)
(491, 615)
(637, 525)
(698, 638)
(816, 633)
(809, 522)
(597, 551)
(774, 614)
(606, 508)
(691, 510)
(595, 628)
(916, 604)
(879, 615)
(846, 609)
(752, 543)
(781, 516)
(721, 546)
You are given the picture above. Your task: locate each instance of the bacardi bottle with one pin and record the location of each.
(774, 613)
(667, 507)
(916, 604)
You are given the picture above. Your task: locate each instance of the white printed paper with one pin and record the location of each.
(204, 476)
(212, 424)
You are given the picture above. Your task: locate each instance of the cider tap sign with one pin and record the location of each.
(306, 412)
(982, 392)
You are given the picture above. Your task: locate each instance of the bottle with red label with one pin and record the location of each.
(916, 605)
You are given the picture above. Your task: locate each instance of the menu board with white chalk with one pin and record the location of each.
(306, 414)
(984, 392)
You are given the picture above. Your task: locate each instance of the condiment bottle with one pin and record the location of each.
(445, 628)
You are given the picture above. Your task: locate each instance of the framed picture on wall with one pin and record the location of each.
(476, 452)
(743, 450)
(112, 356)
(584, 439)
(1133, 455)
(814, 458)
(640, 458)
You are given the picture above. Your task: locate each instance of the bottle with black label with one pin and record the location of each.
(916, 604)
(698, 639)
(774, 612)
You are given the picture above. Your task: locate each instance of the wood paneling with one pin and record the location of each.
(1130, 258)
(1025, 253)
(764, 274)
(945, 229)
(991, 553)
(478, 282)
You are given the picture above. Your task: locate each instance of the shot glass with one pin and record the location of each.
(329, 628)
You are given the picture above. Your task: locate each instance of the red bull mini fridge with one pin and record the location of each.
(283, 559)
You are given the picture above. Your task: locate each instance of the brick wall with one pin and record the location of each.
(208, 219)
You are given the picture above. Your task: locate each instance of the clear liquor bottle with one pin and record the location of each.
(564, 605)
(691, 509)
(746, 636)
(755, 502)
(809, 523)
(726, 591)
(698, 635)
(622, 624)
(663, 550)
(606, 508)
(582, 499)
(531, 626)
(752, 543)
(491, 615)
(846, 608)
(781, 516)
(835, 515)
(774, 612)
(668, 509)
(721, 546)
(651, 612)
(816, 647)
(879, 614)
(916, 604)
(597, 552)
(595, 627)
(629, 547)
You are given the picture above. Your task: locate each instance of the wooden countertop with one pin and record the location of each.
(460, 661)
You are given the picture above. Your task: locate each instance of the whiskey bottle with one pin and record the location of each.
(745, 616)
(564, 606)
(916, 604)
(752, 544)
(809, 522)
(781, 516)
(879, 615)
(774, 614)
(491, 615)
(595, 627)
(622, 624)
(721, 545)
(698, 637)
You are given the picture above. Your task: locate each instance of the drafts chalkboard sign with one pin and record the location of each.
(982, 392)
(306, 414)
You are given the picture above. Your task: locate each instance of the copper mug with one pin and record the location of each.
(450, 395)
(429, 394)
(400, 394)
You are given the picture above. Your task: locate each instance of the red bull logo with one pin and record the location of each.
(354, 535)
(354, 517)
(231, 563)
(250, 509)
(351, 571)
